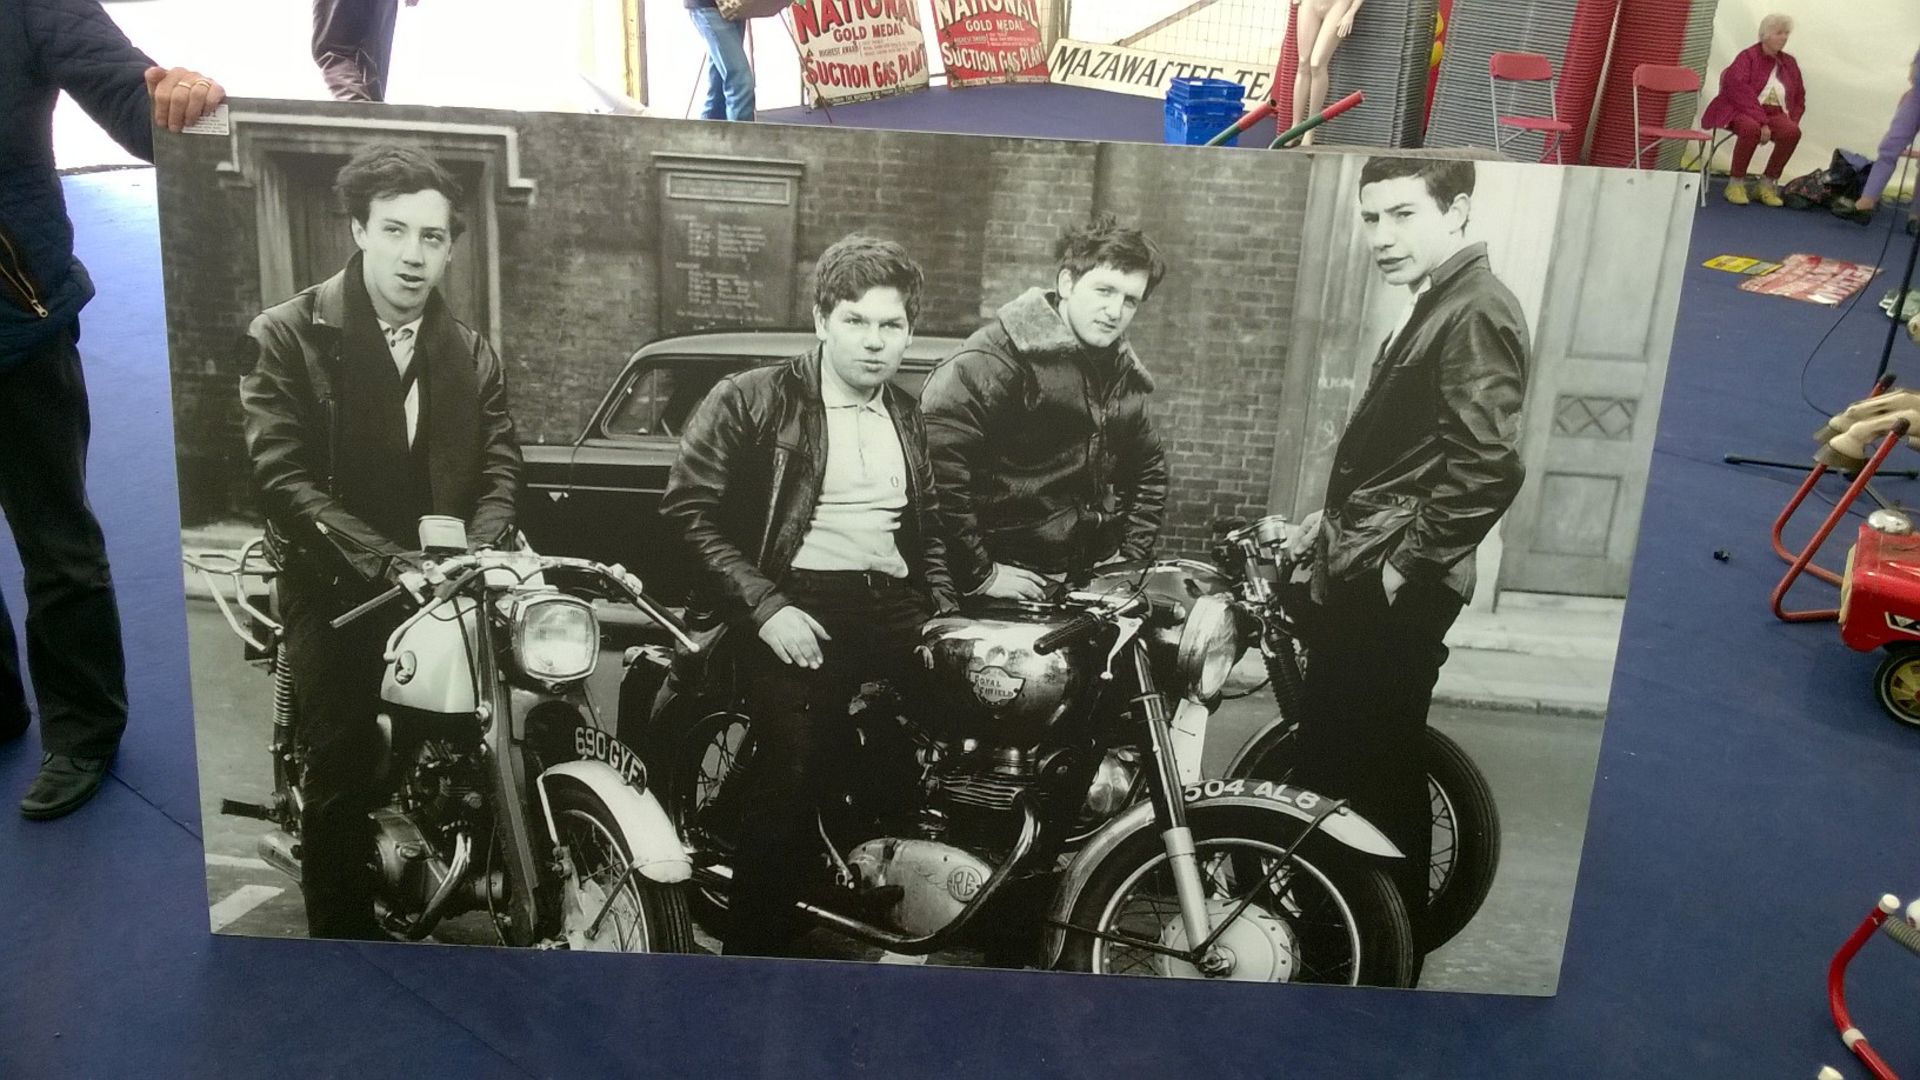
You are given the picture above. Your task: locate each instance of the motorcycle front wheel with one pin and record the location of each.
(602, 907)
(1322, 917)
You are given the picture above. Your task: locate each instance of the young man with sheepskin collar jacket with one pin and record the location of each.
(1046, 461)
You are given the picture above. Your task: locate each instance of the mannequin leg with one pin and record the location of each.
(1326, 39)
(1308, 26)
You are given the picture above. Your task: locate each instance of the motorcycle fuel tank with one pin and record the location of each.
(987, 679)
(431, 664)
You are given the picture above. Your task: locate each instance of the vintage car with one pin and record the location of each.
(598, 496)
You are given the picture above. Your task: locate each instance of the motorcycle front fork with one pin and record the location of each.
(1164, 786)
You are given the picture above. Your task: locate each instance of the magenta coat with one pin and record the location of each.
(1741, 83)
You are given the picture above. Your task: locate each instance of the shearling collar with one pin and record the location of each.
(1034, 325)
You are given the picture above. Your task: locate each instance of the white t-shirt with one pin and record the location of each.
(1775, 92)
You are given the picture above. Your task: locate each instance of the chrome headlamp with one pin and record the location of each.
(555, 637)
(1209, 647)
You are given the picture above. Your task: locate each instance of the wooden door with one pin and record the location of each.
(1606, 326)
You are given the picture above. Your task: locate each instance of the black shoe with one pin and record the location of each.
(64, 784)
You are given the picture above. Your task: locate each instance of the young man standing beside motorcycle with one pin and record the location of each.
(806, 491)
(368, 406)
(1046, 459)
(1427, 465)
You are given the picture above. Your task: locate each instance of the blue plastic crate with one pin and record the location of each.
(1194, 126)
(1189, 90)
(1197, 109)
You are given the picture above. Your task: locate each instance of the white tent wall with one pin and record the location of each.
(1854, 57)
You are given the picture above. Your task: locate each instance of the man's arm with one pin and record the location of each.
(271, 397)
(957, 399)
(84, 53)
(1483, 385)
(715, 435)
(494, 510)
(933, 542)
(1140, 482)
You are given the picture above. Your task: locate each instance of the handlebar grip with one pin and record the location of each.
(1076, 629)
(374, 604)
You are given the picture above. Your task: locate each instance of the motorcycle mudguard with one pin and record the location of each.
(657, 850)
(1344, 827)
(1258, 746)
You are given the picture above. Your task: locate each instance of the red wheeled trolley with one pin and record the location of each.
(1879, 589)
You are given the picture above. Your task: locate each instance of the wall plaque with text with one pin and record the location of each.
(728, 228)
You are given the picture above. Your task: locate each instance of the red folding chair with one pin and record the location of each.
(1669, 80)
(1521, 68)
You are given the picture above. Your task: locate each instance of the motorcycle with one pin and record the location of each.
(1039, 800)
(1260, 573)
(485, 687)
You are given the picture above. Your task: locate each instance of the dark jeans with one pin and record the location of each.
(336, 687)
(73, 624)
(353, 44)
(800, 727)
(1371, 669)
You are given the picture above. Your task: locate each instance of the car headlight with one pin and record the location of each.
(1209, 647)
(556, 638)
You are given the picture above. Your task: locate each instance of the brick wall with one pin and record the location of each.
(1215, 334)
(579, 285)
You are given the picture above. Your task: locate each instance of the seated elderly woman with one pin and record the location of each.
(1761, 101)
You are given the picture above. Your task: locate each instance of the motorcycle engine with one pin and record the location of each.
(938, 879)
(439, 797)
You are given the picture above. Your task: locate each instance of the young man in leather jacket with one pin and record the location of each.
(368, 406)
(1047, 461)
(805, 489)
(1425, 468)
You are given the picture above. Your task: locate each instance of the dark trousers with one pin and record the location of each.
(1371, 668)
(73, 624)
(336, 687)
(801, 730)
(353, 44)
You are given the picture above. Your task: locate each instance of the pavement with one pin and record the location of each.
(1533, 652)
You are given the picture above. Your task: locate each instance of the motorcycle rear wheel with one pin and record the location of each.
(1331, 918)
(642, 915)
(1466, 826)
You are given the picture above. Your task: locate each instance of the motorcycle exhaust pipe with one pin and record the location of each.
(280, 851)
(456, 871)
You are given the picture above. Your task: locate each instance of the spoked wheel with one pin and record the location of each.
(1320, 917)
(603, 907)
(1466, 842)
(700, 760)
(1466, 826)
(1898, 684)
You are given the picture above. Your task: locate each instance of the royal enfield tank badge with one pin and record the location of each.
(964, 883)
(994, 685)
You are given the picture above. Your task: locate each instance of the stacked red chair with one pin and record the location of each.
(1677, 33)
(1572, 34)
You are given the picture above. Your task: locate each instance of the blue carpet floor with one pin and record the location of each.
(1752, 802)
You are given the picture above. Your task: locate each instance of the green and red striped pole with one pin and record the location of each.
(1314, 121)
(1259, 113)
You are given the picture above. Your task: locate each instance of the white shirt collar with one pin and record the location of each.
(387, 327)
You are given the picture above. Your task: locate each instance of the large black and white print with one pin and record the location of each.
(654, 536)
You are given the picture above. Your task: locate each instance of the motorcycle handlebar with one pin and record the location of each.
(451, 570)
(369, 607)
(1075, 629)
